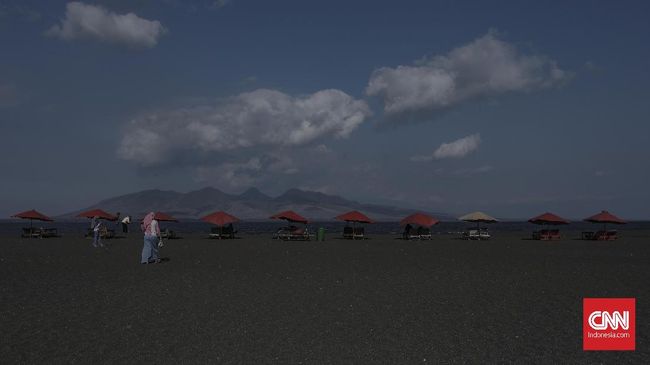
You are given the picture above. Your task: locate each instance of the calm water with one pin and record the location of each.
(11, 227)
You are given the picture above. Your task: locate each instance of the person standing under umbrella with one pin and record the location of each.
(152, 240)
(97, 232)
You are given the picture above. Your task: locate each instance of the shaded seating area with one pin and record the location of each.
(478, 233)
(221, 232)
(292, 232)
(224, 225)
(604, 218)
(423, 223)
(547, 220)
(353, 232)
(36, 232)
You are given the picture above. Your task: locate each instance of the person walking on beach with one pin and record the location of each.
(152, 240)
(125, 224)
(97, 231)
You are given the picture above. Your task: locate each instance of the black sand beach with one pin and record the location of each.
(254, 300)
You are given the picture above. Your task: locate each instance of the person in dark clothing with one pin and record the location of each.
(407, 231)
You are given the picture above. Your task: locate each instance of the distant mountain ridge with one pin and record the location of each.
(252, 204)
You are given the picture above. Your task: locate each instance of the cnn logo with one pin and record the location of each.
(602, 320)
(609, 324)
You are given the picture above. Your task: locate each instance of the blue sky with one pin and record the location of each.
(511, 107)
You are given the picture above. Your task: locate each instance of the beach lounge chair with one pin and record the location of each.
(605, 236)
(222, 232)
(31, 232)
(472, 234)
(554, 235)
(587, 235)
(299, 234)
(359, 233)
(424, 233)
(484, 234)
(292, 233)
(612, 235)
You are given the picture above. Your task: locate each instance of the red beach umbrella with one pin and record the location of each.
(605, 217)
(220, 218)
(164, 217)
(32, 215)
(354, 216)
(97, 213)
(419, 219)
(548, 219)
(291, 216)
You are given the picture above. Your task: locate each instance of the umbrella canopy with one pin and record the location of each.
(419, 219)
(354, 216)
(33, 215)
(478, 217)
(549, 219)
(291, 216)
(605, 217)
(97, 213)
(164, 217)
(220, 218)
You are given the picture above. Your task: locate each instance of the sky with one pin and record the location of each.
(514, 108)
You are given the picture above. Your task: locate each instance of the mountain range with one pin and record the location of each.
(249, 205)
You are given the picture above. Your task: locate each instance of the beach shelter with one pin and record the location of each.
(419, 219)
(164, 217)
(291, 216)
(32, 215)
(605, 218)
(478, 218)
(220, 218)
(548, 219)
(354, 217)
(97, 213)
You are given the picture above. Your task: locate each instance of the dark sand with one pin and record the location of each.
(255, 300)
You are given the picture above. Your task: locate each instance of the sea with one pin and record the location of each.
(13, 227)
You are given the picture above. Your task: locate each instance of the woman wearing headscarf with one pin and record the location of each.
(151, 239)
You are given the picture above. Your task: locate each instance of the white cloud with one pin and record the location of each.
(83, 21)
(266, 118)
(456, 149)
(485, 67)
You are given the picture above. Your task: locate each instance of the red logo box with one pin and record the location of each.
(608, 324)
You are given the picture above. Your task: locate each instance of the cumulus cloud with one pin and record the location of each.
(266, 118)
(456, 149)
(83, 21)
(488, 66)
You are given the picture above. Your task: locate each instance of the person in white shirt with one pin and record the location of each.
(125, 224)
